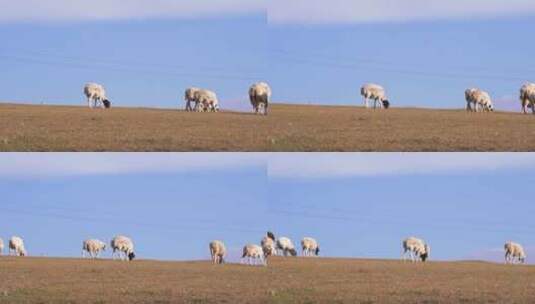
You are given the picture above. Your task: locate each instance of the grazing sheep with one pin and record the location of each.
(1, 247)
(514, 251)
(477, 100)
(252, 254)
(218, 252)
(268, 244)
(310, 247)
(286, 246)
(415, 247)
(376, 93)
(206, 101)
(16, 246)
(189, 96)
(260, 95)
(93, 247)
(96, 95)
(123, 244)
(527, 97)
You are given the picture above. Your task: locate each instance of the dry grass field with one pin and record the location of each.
(288, 128)
(290, 280)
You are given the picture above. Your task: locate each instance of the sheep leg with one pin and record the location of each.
(366, 102)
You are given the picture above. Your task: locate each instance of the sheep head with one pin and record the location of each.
(131, 256)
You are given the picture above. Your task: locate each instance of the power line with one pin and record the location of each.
(122, 221)
(411, 72)
(122, 68)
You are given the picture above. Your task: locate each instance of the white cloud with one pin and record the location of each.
(45, 165)
(362, 11)
(74, 10)
(334, 165)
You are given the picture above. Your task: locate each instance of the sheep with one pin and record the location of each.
(310, 247)
(415, 247)
(218, 252)
(189, 96)
(252, 254)
(268, 244)
(16, 246)
(123, 244)
(479, 100)
(286, 246)
(96, 95)
(512, 251)
(93, 247)
(1, 247)
(527, 97)
(376, 93)
(260, 95)
(206, 101)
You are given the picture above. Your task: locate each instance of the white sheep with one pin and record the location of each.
(260, 95)
(218, 252)
(286, 246)
(96, 95)
(514, 251)
(1, 247)
(189, 96)
(376, 93)
(93, 247)
(253, 254)
(527, 97)
(206, 101)
(416, 248)
(477, 100)
(16, 246)
(122, 244)
(268, 244)
(310, 247)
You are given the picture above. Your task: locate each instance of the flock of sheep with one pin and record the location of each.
(413, 248)
(203, 100)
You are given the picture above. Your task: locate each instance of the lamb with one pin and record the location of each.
(206, 100)
(260, 95)
(218, 252)
(252, 254)
(286, 246)
(1, 247)
(512, 251)
(376, 93)
(479, 99)
(268, 244)
(123, 244)
(527, 97)
(189, 96)
(96, 95)
(415, 247)
(93, 247)
(16, 246)
(310, 247)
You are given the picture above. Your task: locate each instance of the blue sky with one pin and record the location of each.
(425, 52)
(357, 205)
(420, 63)
(141, 60)
(171, 206)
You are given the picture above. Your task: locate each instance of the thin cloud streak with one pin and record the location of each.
(78, 10)
(341, 165)
(50, 165)
(366, 11)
